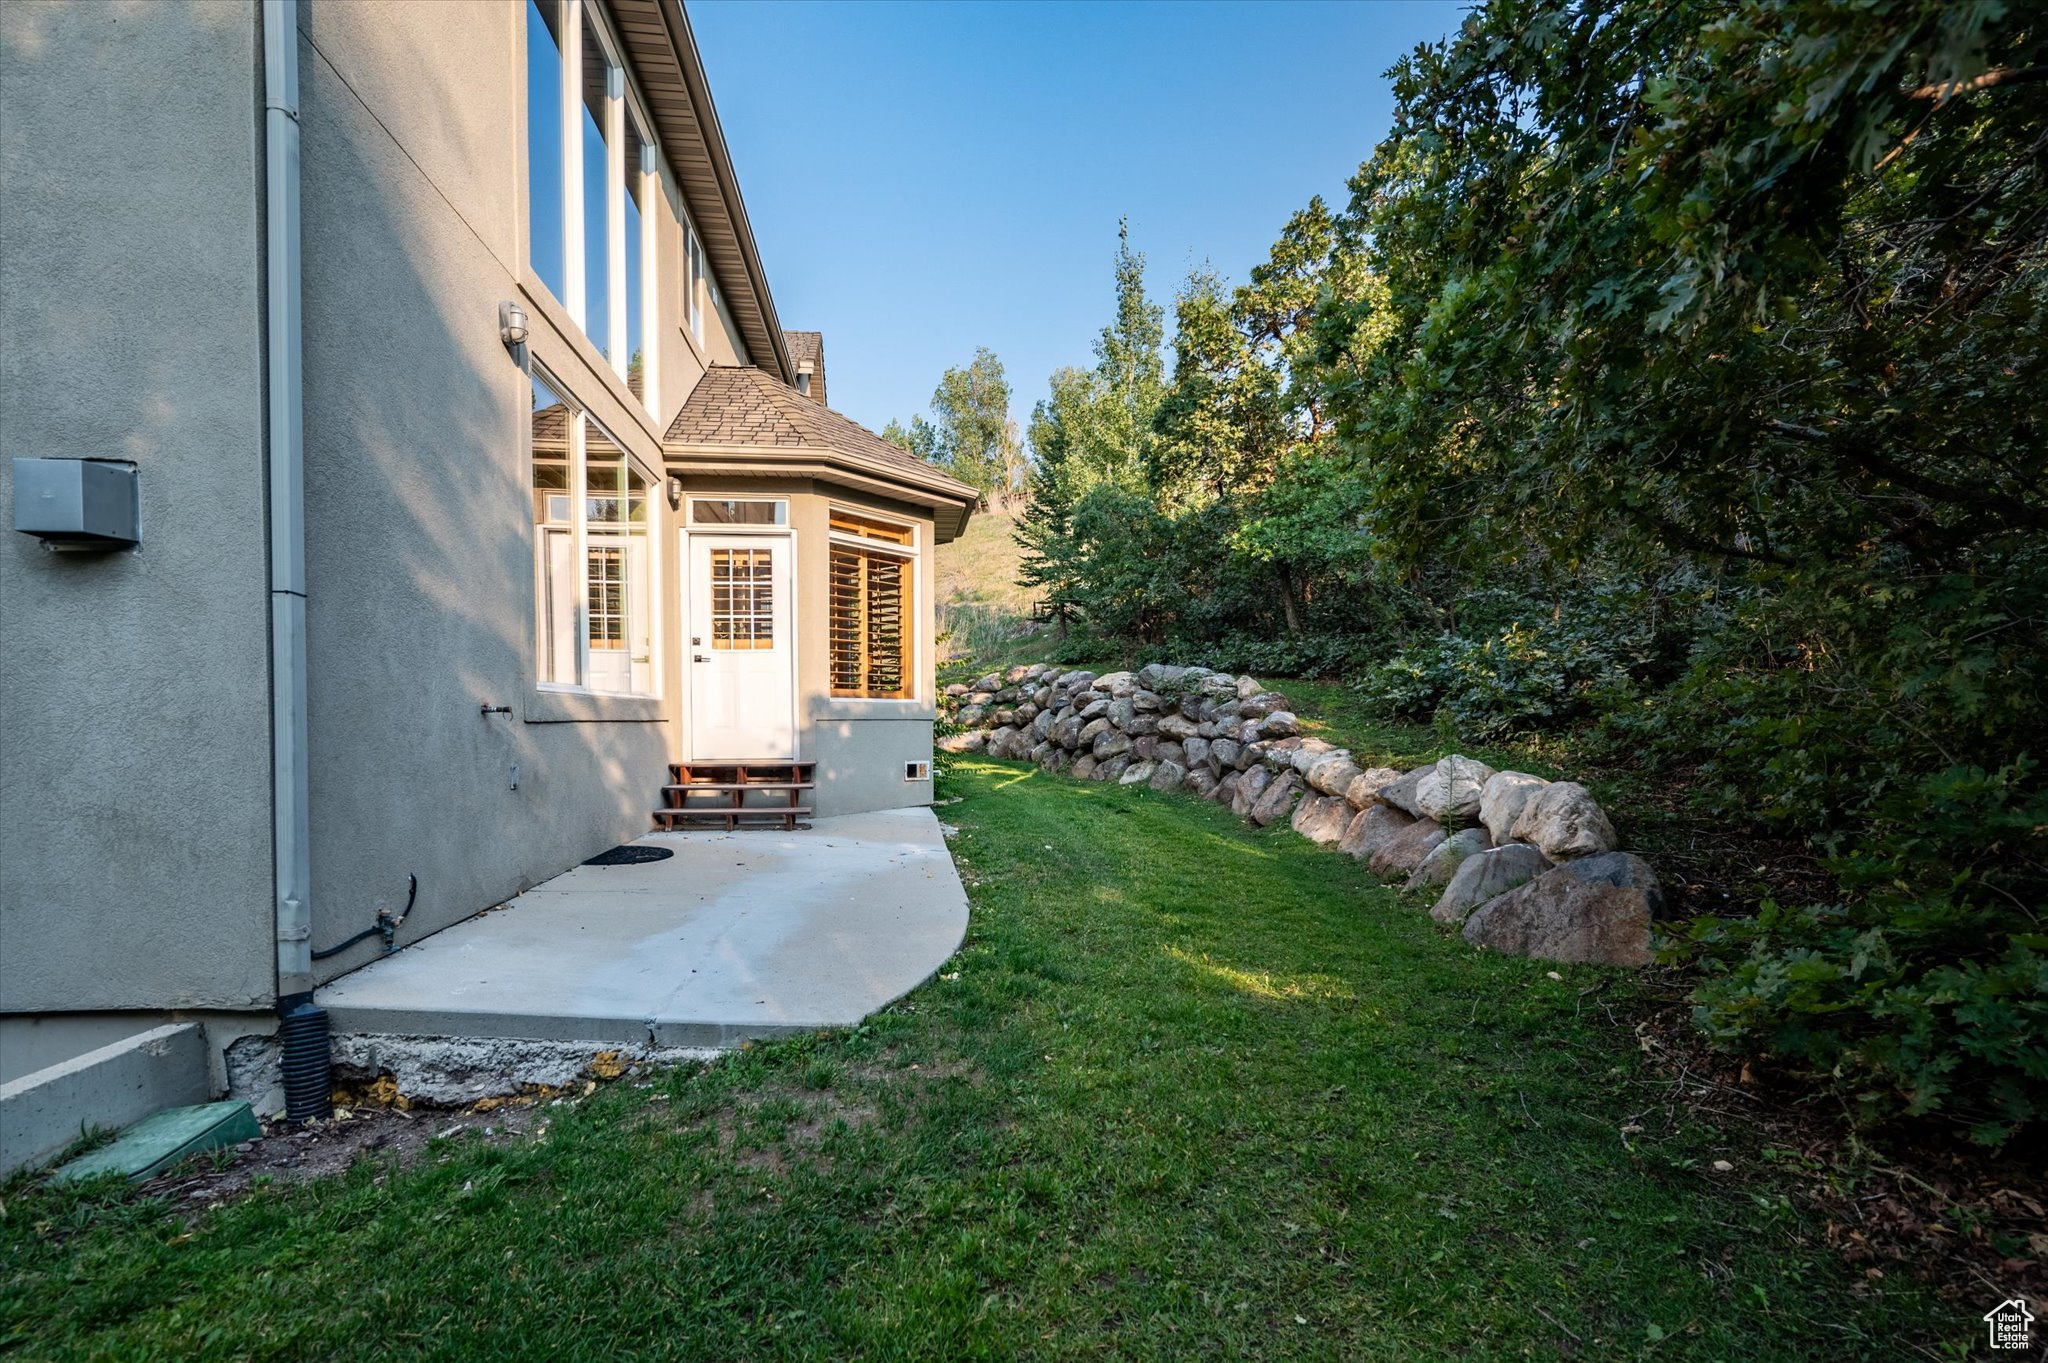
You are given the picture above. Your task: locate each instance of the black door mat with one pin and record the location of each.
(626, 854)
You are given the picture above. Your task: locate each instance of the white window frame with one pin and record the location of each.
(622, 101)
(579, 551)
(690, 500)
(912, 554)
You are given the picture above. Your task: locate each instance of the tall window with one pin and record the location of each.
(639, 162)
(591, 171)
(544, 201)
(693, 281)
(873, 566)
(593, 571)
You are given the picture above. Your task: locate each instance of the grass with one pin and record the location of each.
(1190, 1090)
(982, 609)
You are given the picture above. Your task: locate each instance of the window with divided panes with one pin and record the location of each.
(873, 567)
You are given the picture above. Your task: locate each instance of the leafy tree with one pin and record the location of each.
(1762, 283)
(973, 436)
(920, 437)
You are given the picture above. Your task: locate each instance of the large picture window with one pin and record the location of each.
(592, 172)
(594, 575)
(873, 568)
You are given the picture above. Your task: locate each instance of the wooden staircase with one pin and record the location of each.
(735, 794)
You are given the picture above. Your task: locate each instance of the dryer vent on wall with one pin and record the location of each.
(917, 771)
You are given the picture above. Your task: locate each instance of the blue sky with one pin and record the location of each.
(926, 178)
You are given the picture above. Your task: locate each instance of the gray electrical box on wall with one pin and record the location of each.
(78, 503)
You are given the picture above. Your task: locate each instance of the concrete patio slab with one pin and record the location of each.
(738, 935)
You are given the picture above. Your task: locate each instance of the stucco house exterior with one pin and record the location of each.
(480, 492)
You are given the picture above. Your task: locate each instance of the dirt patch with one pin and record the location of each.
(1970, 1224)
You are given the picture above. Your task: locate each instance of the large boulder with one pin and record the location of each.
(1247, 687)
(1405, 850)
(1366, 786)
(1042, 722)
(1092, 709)
(1487, 875)
(1116, 684)
(1278, 800)
(1084, 766)
(1223, 754)
(1197, 750)
(1401, 794)
(1322, 818)
(1158, 676)
(1122, 711)
(1168, 775)
(1279, 724)
(1179, 726)
(1147, 702)
(1091, 730)
(1371, 829)
(1564, 821)
(1449, 793)
(992, 682)
(1066, 730)
(1303, 753)
(1114, 768)
(1250, 787)
(1595, 910)
(972, 741)
(1170, 751)
(1138, 773)
(1200, 783)
(1502, 800)
(1142, 724)
(1333, 774)
(1109, 743)
(1440, 865)
(1226, 789)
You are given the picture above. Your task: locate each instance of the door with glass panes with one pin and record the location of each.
(740, 652)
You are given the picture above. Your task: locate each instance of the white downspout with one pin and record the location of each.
(286, 430)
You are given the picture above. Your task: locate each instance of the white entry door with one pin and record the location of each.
(741, 653)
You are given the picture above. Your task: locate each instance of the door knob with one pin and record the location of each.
(699, 658)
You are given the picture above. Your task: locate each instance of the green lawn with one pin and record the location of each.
(1190, 1090)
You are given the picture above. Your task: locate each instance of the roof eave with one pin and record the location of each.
(952, 502)
(698, 85)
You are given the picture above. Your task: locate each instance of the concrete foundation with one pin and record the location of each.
(452, 1071)
(44, 1111)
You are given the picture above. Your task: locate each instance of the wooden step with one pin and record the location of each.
(676, 769)
(713, 786)
(713, 815)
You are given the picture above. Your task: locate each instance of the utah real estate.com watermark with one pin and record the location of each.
(2010, 1324)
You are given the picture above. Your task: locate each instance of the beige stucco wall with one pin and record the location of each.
(135, 864)
(420, 540)
(135, 867)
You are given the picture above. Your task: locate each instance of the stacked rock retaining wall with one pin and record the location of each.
(1518, 863)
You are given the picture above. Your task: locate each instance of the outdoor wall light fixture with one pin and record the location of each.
(675, 493)
(512, 325)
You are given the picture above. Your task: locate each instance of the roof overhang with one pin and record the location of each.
(670, 71)
(950, 509)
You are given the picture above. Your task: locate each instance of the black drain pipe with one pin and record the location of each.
(308, 1068)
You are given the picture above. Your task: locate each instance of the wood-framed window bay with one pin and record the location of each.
(873, 593)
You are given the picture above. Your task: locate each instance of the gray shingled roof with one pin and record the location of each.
(808, 348)
(742, 405)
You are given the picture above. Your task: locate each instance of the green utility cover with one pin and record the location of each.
(156, 1143)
